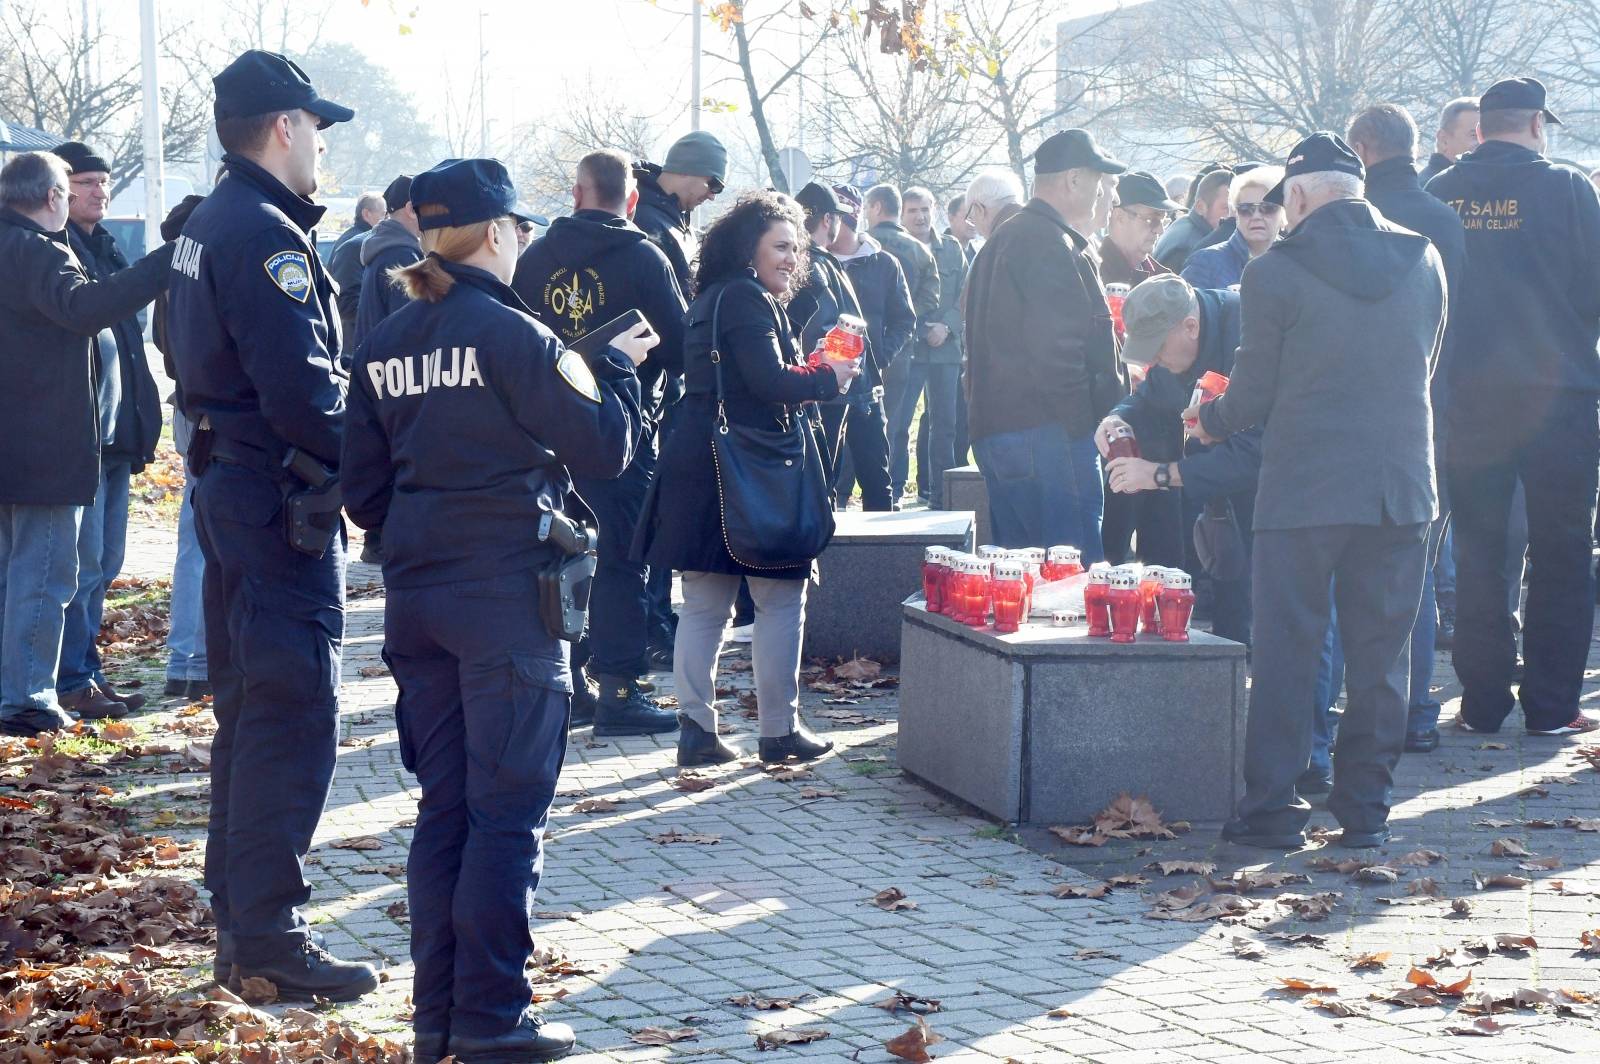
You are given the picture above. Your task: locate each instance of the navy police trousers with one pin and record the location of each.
(274, 628)
(485, 694)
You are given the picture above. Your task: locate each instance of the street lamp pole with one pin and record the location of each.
(694, 79)
(154, 209)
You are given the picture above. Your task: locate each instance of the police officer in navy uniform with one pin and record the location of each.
(254, 334)
(467, 421)
(588, 269)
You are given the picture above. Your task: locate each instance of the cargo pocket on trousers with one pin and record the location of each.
(408, 748)
(521, 749)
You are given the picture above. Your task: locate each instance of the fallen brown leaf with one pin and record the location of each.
(1418, 977)
(788, 1036)
(1501, 880)
(900, 1001)
(1248, 948)
(864, 670)
(257, 991)
(1508, 848)
(1295, 984)
(674, 835)
(1341, 1009)
(1590, 941)
(664, 1036)
(1542, 864)
(808, 794)
(913, 1044)
(1174, 868)
(692, 782)
(1379, 874)
(1079, 836)
(595, 805)
(1419, 858)
(1078, 890)
(1484, 1026)
(1370, 960)
(1424, 885)
(761, 1004)
(892, 899)
(361, 842)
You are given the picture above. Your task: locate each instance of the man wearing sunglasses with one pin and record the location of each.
(1259, 225)
(695, 167)
(1137, 222)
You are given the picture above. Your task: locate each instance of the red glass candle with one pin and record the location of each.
(1210, 385)
(977, 596)
(1062, 562)
(1010, 596)
(1116, 296)
(1177, 605)
(1095, 601)
(1149, 588)
(934, 561)
(1123, 444)
(846, 340)
(1122, 597)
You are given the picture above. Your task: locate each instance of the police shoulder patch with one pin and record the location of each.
(291, 272)
(576, 372)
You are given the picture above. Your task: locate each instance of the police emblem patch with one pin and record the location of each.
(291, 272)
(575, 371)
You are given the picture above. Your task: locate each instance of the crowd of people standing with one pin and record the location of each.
(1410, 412)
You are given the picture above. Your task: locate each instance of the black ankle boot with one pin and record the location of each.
(585, 697)
(799, 744)
(430, 1047)
(696, 746)
(222, 965)
(624, 710)
(306, 971)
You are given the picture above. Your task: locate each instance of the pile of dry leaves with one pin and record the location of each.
(102, 944)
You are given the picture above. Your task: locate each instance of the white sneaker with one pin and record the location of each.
(1577, 726)
(744, 633)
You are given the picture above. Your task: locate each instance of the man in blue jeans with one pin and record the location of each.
(186, 627)
(1041, 362)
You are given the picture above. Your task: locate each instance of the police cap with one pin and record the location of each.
(469, 190)
(1517, 94)
(1321, 152)
(1073, 149)
(260, 82)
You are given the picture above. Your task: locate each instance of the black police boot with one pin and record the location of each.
(585, 697)
(372, 547)
(175, 689)
(529, 1040)
(660, 657)
(222, 966)
(430, 1047)
(799, 744)
(623, 710)
(308, 971)
(696, 746)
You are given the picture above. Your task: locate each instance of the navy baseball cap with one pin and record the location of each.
(260, 82)
(818, 199)
(1517, 94)
(1139, 188)
(470, 190)
(1072, 149)
(1318, 153)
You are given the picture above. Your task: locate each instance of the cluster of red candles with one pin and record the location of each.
(969, 587)
(1121, 601)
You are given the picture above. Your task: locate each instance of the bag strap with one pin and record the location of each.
(716, 339)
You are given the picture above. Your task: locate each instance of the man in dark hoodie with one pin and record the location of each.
(394, 242)
(1523, 386)
(692, 174)
(344, 261)
(130, 425)
(1385, 138)
(586, 270)
(1347, 486)
(885, 302)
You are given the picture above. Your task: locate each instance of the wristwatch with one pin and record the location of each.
(1164, 476)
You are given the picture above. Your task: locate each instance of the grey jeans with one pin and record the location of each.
(780, 624)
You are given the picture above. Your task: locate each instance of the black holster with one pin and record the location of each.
(310, 513)
(565, 583)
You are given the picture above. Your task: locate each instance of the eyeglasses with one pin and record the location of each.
(1150, 221)
(1250, 210)
(715, 185)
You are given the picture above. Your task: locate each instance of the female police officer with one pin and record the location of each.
(457, 402)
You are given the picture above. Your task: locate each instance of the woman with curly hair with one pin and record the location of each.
(751, 260)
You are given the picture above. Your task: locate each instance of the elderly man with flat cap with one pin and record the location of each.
(255, 338)
(1523, 383)
(1136, 223)
(1041, 358)
(1341, 326)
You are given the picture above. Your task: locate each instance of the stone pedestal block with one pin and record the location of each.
(964, 489)
(1047, 726)
(873, 563)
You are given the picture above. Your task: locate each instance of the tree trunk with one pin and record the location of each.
(769, 150)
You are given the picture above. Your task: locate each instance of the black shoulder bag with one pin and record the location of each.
(771, 488)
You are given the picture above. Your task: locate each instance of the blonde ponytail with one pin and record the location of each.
(427, 280)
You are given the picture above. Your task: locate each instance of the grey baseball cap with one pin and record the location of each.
(1151, 311)
(698, 154)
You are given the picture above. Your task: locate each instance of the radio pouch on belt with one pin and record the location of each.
(311, 514)
(564, 584)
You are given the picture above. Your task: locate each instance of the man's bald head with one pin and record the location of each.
(605, 182)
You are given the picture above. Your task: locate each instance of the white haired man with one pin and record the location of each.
(1347, 485)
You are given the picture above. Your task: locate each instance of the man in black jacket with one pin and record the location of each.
(695, 167)
(393, 243)
(1457, 135)
(50, 313)
(1385, 138)
(1180, 333)
(130, 425)
(885, 302)
(1523, 386)
(586, 270)
(344, 261)
(1347, 486)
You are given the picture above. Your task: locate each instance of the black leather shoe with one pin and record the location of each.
(624, 710)
(372, 547)
(1313, 781)
(430, 1047)
(799, 744)
(1238, 831)
(1444, 637)
(175, 689)
(134, 702)
(529, 1040)
(197, 689)
(585, 696)
(1423, 742)
(696, 746)
(33, 720)
(1362, 840)
(309, 971)
(660, 658)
